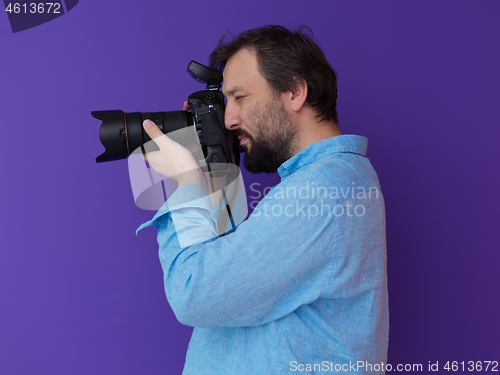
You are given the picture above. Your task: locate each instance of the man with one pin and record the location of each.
(301, 284)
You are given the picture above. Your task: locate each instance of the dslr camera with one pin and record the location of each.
(122, 133)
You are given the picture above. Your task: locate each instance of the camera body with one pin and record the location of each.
(207, 108)
(122, 133)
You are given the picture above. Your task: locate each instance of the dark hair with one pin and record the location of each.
(284, 57)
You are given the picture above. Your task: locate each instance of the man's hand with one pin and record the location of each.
(173, 160)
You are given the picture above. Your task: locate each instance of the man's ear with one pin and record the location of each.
(298, 94)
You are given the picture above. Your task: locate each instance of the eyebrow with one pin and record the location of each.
(235, 89)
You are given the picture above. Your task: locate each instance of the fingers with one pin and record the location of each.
(152, 129)
(186, 106)
(156, 134)
(150, 155)
(153, 158)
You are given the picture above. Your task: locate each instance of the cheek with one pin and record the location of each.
(252, 121)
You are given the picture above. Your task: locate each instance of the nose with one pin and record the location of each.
(231, 119)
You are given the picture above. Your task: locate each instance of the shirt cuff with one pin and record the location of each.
(189, 196)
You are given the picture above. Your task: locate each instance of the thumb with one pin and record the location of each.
(155, 133)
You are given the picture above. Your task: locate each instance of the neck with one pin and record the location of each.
(313, 131)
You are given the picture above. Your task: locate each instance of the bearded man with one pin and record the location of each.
(301, 284)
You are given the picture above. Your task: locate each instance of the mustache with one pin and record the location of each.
(242, 133)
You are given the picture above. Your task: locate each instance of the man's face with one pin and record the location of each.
(257, 114)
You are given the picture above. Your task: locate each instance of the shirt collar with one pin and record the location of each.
(350, 143)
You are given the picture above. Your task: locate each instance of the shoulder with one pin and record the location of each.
(341, 169)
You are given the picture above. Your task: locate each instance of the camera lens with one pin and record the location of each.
(121, 133)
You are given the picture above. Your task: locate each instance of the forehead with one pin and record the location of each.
(241, 72)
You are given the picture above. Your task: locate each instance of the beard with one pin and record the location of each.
(273, 138)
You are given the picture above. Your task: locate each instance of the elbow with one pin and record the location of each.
(188, 310)
(196, 312)
(182, 304)
(192, 315)
(184, 315)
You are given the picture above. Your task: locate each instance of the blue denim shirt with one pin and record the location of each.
(300, 286)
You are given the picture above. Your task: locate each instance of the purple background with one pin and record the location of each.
(80, 293)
